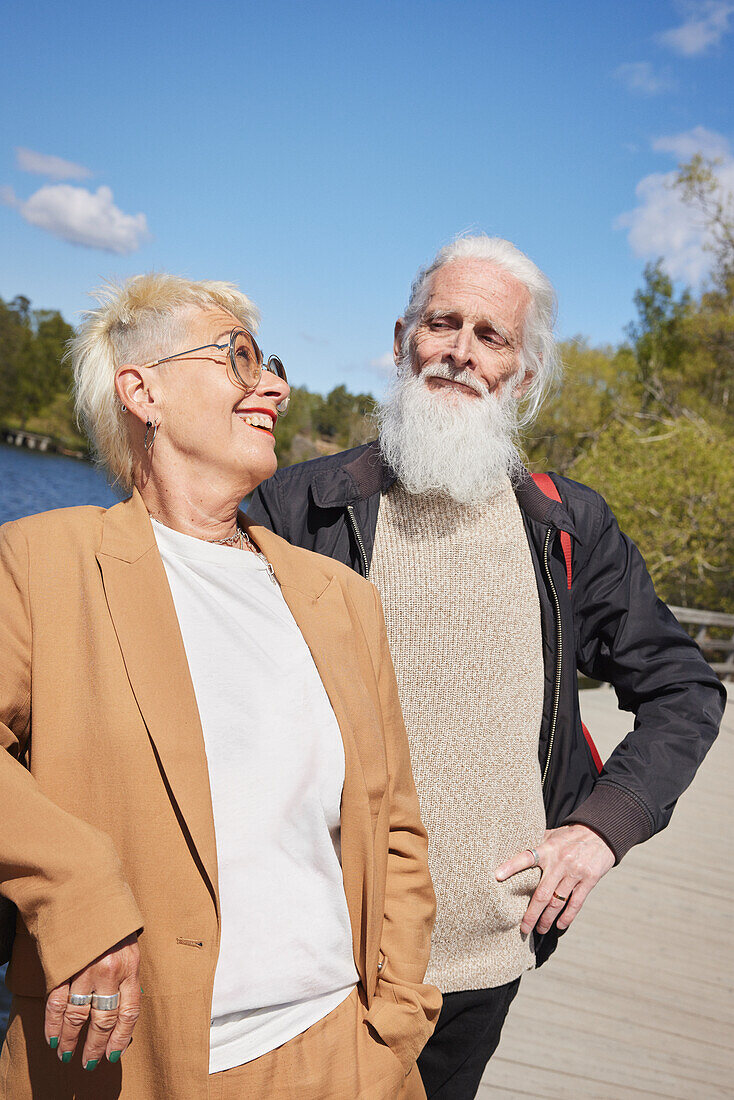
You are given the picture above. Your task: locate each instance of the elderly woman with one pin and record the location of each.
(206, 785)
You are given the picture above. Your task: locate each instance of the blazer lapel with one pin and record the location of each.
(144, 617)
(317, 604)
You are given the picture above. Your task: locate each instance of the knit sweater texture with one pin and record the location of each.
(463, 621)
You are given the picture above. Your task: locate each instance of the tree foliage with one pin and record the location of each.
(32, 369)
(647, 423)
(318, 425)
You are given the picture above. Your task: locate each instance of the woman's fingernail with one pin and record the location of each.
(53, 1042)
(66, 1056)
(115, 1056)
(92, 1064)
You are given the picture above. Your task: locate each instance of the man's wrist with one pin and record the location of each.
(616, 815)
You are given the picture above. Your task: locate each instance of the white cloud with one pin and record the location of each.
(383, 364)
(42, 164)
(639, 76)
(705, 26)
(661, 224)
(698, 140)
(82, 217)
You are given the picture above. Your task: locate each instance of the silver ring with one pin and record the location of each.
(106, 1004)
(79, 999)
(536, 857)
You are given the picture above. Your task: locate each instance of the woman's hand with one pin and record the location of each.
(109, 1032)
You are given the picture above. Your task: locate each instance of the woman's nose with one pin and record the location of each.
(276, 388)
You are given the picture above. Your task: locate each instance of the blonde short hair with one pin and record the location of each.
(137, 321)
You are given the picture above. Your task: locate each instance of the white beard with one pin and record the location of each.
(446, 443)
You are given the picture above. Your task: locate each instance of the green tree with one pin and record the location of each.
(21, 384)
(673, 493)
(52, 334)
(597, 392)
(658, 341)
(701, 189)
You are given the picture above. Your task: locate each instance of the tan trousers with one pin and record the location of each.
(338, 1058)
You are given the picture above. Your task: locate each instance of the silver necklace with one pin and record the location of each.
(242, 539)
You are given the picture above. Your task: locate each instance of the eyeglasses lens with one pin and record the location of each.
(246, 365)
(275, 366)
(245, 361)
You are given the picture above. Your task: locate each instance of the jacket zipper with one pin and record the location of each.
(559, 661)
(358, 537)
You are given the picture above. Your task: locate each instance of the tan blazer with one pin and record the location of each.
(110, 829)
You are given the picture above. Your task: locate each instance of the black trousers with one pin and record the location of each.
(466, 1037)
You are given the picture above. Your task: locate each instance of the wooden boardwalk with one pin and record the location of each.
(638, 1001)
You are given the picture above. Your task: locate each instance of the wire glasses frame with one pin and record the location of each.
(246, 360)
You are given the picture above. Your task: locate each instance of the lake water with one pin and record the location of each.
(32, 482)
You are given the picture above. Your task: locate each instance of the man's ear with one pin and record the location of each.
(398, 338)
(522, 387)
(133, 392)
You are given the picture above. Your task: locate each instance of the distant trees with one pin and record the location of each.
(648, 423)
(32, 372)
(322, 425)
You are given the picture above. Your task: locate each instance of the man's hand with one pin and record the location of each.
(110, 1032)
(572, 859)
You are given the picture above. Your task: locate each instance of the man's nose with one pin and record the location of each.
(461, 350)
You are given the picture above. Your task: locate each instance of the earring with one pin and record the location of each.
(148, 425)
(123, 408)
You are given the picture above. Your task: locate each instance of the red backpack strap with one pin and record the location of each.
(547, 486)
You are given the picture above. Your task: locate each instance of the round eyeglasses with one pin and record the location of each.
(245, 363)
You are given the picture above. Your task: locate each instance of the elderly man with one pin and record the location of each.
(497, 588)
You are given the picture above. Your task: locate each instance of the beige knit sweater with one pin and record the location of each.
(463, 620)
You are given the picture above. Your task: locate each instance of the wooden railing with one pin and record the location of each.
(718, 651)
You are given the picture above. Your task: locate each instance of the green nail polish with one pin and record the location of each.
(115, 1056)
(66, 1057)
(54, 1042)
(92, 1064)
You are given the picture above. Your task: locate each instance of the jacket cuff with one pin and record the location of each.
(69, 942)
(404, 1028)
(617, 816)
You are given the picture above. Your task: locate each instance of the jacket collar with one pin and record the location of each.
(367, 473)
(127, 535)
(536, 505)
(144, 617)
(288, 563)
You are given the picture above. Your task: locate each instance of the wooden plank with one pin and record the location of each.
(637, 1003)
(694, 615)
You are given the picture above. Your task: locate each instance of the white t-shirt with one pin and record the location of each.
(276, 771)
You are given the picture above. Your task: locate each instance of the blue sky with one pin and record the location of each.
(318, 153)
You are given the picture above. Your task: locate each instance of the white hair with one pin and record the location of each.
(538, 351)
(141, 320)
(465, 449)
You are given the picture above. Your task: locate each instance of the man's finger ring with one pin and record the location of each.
(80, 998)
(559, 898)
(536, 857)
(105, 1003)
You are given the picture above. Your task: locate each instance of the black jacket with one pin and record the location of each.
(610, 626)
